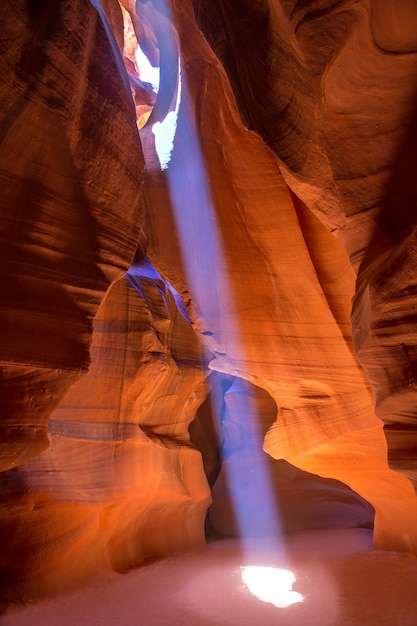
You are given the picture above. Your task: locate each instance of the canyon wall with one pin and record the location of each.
(330, 86)
(133, 282)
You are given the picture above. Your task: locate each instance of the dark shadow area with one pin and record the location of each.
(397, 216)
(12, 490)
(384, 314)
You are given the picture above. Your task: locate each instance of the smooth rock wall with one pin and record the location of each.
(120, 480)
(289, 192)
(331, 89)
(70, 170)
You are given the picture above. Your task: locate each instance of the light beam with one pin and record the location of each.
(180, 154)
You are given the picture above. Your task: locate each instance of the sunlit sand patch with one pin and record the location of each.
(271, 584)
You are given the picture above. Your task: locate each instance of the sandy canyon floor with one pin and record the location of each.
(336, 579)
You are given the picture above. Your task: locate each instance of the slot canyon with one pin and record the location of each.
(209, 288)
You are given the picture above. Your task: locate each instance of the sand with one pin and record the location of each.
(341, 579)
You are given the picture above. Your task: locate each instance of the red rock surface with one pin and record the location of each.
(331, 89)
(69, 204)
(301, 118)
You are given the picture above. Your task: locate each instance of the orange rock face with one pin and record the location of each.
(288, 189)
(69, 227)
(120, 480)
(314, 84)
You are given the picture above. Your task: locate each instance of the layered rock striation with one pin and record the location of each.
(70, 204)
(331, 89)
(134, 266)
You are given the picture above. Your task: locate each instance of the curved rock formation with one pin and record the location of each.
(300, 501)
(287, 326)
(120, 480)
(287, 189)
(70, 204)
(331, 90)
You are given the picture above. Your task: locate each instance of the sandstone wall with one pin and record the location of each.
(289, 191)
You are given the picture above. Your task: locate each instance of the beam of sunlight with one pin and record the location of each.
(271, 584)
(248, 477)
(251, 491)
(206, 268)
